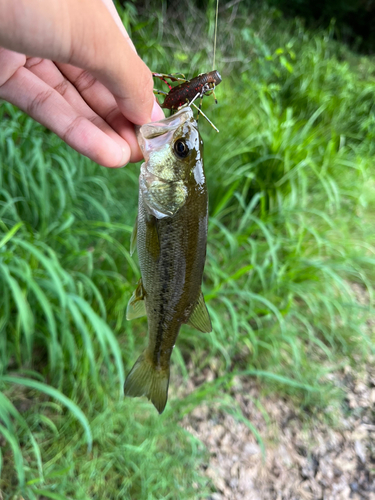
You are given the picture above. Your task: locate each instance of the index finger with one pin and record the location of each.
(85, 133)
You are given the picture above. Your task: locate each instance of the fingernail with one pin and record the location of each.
(124, 157)
(157, 112)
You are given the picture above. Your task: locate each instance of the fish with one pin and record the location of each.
(170, 235)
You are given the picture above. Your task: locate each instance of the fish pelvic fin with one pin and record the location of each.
(145, 379)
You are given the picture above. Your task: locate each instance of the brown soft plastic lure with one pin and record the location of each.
(186, 91)
(171, 235)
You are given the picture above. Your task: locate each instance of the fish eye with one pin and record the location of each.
(181, 149)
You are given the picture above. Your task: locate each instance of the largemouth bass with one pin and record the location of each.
(171, 235)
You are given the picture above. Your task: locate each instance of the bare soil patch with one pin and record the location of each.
(306, 458)
(301, 462)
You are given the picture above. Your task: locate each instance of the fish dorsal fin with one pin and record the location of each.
(133, 238)
(199, 318)
(136, 305)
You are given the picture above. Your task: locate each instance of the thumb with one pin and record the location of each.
(130, 81)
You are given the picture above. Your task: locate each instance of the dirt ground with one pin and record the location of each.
(302, 462)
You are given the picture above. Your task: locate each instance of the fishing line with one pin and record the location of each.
(217, 11)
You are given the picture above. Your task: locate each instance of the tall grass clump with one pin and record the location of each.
(66, 275)
(290, 231)
(287, 177)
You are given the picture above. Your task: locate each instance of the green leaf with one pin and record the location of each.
(17, 454)
(9, 235)
(54, 393)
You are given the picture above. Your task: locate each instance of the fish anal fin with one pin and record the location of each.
(145, 379)
(133, 238)
(136, 305)
(200, 318)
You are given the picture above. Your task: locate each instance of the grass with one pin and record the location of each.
(291, 216)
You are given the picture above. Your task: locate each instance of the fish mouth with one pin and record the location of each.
(163, 129)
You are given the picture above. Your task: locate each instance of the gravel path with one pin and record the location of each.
(305, 459)
(301, 462)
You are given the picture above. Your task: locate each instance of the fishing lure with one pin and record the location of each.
(188, 90)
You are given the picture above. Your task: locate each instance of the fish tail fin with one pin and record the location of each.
(145, 379)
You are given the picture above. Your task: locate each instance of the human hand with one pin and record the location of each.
(81, 77)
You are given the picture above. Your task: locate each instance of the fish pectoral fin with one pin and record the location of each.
(136, 309)
(146, 380)
(136, 305)
(152, 236)
(200, 318)
(133, 238)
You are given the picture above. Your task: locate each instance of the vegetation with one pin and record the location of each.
(292, 199)
(351, 19)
